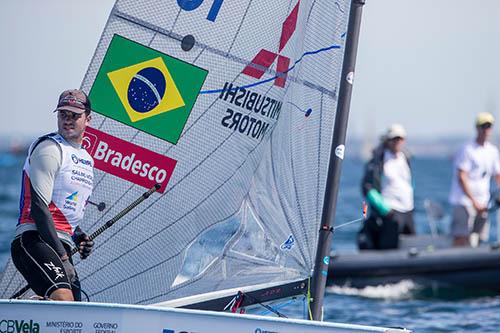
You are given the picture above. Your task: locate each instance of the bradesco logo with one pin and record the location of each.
(265, 58)
(127, 160)
(146, 89)
(18, 326)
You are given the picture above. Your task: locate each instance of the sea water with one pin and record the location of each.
(404, 304)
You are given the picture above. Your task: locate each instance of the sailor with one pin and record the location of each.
(387, 186)
(57, 182)
(473, 167)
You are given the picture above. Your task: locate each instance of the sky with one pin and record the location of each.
(430, 65)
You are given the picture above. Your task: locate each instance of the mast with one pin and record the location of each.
(322, 260)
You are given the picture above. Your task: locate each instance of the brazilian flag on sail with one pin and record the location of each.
(146, 89)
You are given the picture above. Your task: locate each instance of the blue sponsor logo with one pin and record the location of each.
(326, 260)
(189, 5)
(77, 160)
(73, 196)
(288, 244)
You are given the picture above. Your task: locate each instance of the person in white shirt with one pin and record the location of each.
(387, 186)
(474, 166)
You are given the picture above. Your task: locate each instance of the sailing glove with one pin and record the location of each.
(84, 244)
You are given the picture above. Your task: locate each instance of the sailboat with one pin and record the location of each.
(230, 108)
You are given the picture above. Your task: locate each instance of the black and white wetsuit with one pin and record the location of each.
(57, 182)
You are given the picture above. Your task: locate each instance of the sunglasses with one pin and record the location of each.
(486, 125)
(68, 115)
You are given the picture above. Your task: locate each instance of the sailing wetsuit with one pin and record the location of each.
(57, 181)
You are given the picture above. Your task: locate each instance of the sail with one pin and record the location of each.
(229, 105)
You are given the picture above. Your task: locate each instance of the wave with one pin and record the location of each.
(404, 289)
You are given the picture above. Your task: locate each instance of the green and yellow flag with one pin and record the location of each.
(146, 89)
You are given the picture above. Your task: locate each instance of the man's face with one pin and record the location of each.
(396, 144)
(72, 125)
(484, 131)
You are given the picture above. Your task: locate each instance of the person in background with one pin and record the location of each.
(57, 182)
(473, 168)
(387, 187)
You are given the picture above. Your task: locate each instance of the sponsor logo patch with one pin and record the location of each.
(19, 326)
(146, 89)
(127, 160)
(77, 160)
(288, 244)
(56, 269)
(73, 196)
(265, 58)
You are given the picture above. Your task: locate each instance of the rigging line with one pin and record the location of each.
(308, 53)
(230, 304)
(276, 312)
(365, 208)
(309, 298)
(349, 223)
(279, 306)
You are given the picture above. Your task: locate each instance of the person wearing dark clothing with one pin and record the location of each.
(57, 182)
(387, 187)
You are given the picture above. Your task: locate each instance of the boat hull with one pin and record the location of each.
(471, 268)
(73, 317)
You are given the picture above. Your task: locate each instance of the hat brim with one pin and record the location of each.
(70, 108)
(395, 136)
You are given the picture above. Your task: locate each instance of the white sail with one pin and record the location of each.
(230, 106)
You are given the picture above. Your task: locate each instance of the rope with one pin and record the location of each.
(309, 299)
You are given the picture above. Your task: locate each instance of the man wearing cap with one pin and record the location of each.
(57, 182)
(387, 186)
(474, 166)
